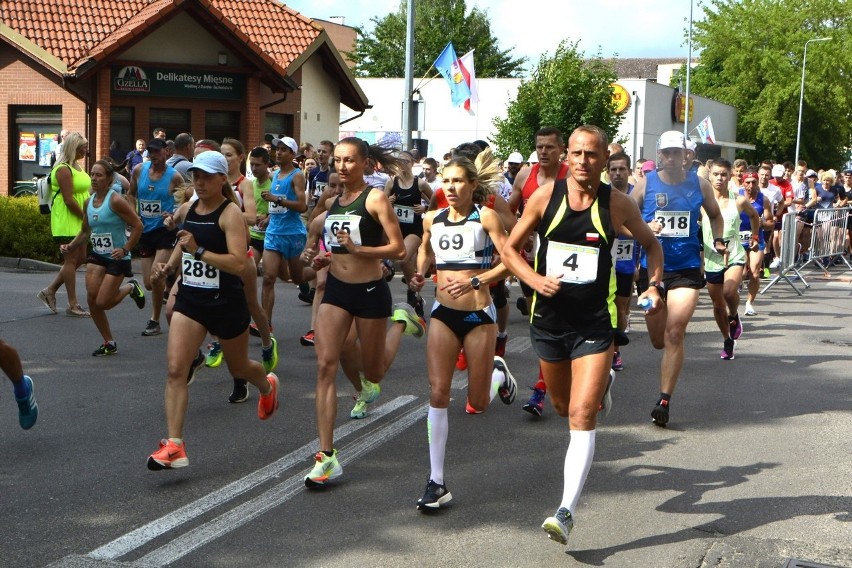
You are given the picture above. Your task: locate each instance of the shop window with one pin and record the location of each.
(220, 124)
(34, 135)
(121, 132)
(172, 120)
(278, 123)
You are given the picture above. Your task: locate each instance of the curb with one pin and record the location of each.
(27, 264)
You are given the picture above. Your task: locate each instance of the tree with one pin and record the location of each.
(381, 52)
(751, 58)
(565, 91)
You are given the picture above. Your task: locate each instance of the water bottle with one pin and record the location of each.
(645, 303)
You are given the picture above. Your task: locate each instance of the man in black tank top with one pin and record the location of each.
(573, 310)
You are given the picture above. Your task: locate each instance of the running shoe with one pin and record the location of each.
(728, 349)
(48, 298)
(214, 355)
(522, 306)
(509, 388)
(253, 331)
(240, 392)
(405, 314)
(152, 328)
(766, 273)
(306, 293)
(27, 406)
(535, 405)
(325, 469)
(606, 402)
(617, 362)
(269, 355)
(77, 311)
(169, 456)
(500, 346)
(137, 293)
(469, 409)
(660, 414)
(196, 364)
(369, 393)
(627, 326)
(434, 496)
(750, 311)
(736, 327)
(775, 263)
(268, 403)
(105, 349)
(461, 362)
(559, 526)
(308, 339)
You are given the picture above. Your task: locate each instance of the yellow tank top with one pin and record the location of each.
(63, 223)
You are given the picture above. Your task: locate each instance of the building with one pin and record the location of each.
(116, 69)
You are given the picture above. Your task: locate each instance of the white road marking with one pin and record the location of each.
(138, 537)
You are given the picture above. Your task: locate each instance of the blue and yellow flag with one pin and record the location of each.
(447, 65)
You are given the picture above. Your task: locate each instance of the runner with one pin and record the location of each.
(362, 230)
(573, 317)
(22, 385)
(724, 270)
(671, 200)
(108, 217)
(754, 258)
(462, 239)
(210, 299)
(625, 253)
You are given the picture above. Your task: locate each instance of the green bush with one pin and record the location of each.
(24, 232)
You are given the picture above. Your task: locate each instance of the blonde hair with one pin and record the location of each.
(485, 170)
(828, 174)
(70, 145)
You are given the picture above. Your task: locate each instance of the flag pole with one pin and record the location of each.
(408, 105)
(688, 68)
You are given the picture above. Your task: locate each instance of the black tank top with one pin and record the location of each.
(200, 283)
(355, 218)
(406, 199)
(578, 243)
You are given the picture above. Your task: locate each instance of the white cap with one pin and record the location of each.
(691, 146)
(671, 139)
(778, 170)
(211, 162)
(533, 158)
(810, 174)
(287, 141)
(515, 158)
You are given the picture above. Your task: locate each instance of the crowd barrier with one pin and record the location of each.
(789, 252)
(828, 237)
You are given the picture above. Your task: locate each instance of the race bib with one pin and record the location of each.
(199, 274)
(349, 223)
(101, 243)
(275, 209)
(453, 244)
(404, 214)
(745, 238)
(319, 188)
(675, 223)
(623, 249)
(577, 264)
(150, 208)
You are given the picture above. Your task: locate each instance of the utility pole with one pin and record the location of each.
(409, 116)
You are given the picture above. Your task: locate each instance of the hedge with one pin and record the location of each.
(24, 232)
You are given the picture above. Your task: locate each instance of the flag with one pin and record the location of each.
(447, 65)
(466, 62)
(705, 131)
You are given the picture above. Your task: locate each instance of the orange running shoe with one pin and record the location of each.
(461, 362)
(169, 456)
(268, 403)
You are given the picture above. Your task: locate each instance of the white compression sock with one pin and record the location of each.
(437, 427)
(578, 461)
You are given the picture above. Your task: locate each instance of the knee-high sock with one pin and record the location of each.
(497, 380)
(578, 461)
(437, 428)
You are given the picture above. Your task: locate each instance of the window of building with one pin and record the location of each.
(220, 124)
(172, 120)
(278, 123)
(121, 133)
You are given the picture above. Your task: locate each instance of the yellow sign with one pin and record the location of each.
(620, 98)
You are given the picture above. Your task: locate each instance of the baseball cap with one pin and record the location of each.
(671, 139)
(810, 174)
(649, 166)
(847, 171)
(211, 162)
(778, 170)
(515, 158)
(287, 141)
(690, 145)
(156, 144)
(749, 176)
(533, 158)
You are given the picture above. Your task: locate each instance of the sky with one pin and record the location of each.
(614, 26)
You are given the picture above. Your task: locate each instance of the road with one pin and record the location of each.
(754, 468)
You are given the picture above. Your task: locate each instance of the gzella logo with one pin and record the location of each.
(132, 79)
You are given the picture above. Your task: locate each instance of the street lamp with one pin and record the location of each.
(802, 94)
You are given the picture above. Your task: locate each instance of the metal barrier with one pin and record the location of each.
(828, 237)
(789, 250)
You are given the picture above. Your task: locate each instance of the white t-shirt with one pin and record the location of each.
(376, 179)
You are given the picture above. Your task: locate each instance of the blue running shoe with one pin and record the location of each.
(27, 407)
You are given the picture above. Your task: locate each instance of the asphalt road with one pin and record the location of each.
(753, 470)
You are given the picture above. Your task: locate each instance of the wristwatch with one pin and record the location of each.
(198, 252)
(475, 283)
(661, 288)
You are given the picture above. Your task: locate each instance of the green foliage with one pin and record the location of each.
(24, 232)
(381, 52)
(751, 58)
(564, 91)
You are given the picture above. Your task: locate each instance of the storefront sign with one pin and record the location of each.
(620, 98)
(162, 82)
(48, 142)
(27, 149)
(679, 107)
